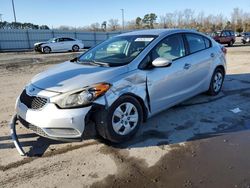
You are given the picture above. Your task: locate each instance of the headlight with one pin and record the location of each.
(81, 97)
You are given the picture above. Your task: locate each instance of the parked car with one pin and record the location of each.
(225, 37)
(118, 89)
(245, 37)
(238, 34)
(58, 45)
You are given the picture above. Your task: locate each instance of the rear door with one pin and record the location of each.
(68, 43)
(200, 59)
(223, 37)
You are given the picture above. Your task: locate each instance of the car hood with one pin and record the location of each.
(40, 43)
(69, 76)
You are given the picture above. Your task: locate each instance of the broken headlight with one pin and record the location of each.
(81, 97)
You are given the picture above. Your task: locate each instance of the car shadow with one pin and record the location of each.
(195, 119)
(198, 118)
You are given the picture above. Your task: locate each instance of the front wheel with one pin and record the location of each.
(216, 82)
(122, 121)
(46, 49)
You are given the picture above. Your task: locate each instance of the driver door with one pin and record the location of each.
(169, 85)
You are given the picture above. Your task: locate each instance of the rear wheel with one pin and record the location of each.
(46, 49)
(75, 48)
(122, 121)
(216, 82)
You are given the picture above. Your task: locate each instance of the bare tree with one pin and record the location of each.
(113, 24)
(95, 26)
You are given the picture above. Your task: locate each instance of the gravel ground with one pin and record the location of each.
(199, 143)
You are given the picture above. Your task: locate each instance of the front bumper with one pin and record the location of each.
(52, 122)
(38, 48)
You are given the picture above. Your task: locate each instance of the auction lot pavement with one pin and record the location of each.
(199, 143)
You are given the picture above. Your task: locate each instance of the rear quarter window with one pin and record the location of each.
(197, 43)
(208, 43)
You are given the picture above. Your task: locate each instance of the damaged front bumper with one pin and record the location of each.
(50, 122)
(14, 135)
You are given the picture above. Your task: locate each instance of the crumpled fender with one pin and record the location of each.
(135, 83)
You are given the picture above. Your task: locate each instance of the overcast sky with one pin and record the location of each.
(77, 13)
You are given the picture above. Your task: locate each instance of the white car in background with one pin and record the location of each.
(58, 45)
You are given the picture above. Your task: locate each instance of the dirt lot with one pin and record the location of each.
(199, 143)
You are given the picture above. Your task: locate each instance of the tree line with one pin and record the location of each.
(239, 22)
(19, 25)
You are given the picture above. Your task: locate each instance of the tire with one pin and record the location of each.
(75, 48)
(216, 82)
(46, 49)
(231, 43)
(115, 124)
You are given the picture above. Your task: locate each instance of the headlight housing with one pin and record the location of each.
(81, 97)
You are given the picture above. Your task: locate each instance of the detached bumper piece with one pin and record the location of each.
(14, 136)
(37, 130)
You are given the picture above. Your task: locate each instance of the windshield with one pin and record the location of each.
(51, 40)
(116, 51)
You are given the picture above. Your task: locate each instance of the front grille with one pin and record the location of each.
(34, 128)
(32, 102)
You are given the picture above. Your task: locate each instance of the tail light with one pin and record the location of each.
(224, 50)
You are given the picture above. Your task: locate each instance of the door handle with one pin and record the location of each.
(187, 66)
(212, 55)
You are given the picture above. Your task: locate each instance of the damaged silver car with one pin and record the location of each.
(120, 83)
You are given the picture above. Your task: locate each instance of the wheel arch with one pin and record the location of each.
(221, 67)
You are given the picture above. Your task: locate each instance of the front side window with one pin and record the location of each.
(170, 48)
(117, 51)
(196, 42)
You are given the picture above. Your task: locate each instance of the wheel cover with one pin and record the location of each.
(217, 83)
(125, 118)
(75, 48)
(46, 50)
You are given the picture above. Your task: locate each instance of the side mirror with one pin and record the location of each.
(161, 62)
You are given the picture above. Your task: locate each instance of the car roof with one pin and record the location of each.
(158, 32)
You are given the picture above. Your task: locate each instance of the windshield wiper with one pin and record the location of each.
(93, 62)
(76, 59)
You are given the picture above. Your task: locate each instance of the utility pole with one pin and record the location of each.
(1, 19)
(14, 12)
(122, 19)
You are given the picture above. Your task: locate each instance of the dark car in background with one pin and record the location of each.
(245, 37)
(224, 37)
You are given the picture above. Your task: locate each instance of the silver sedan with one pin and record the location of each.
(121, 82)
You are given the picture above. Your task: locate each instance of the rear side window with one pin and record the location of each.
(197, 42)
(207, 42)
(68, 39)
